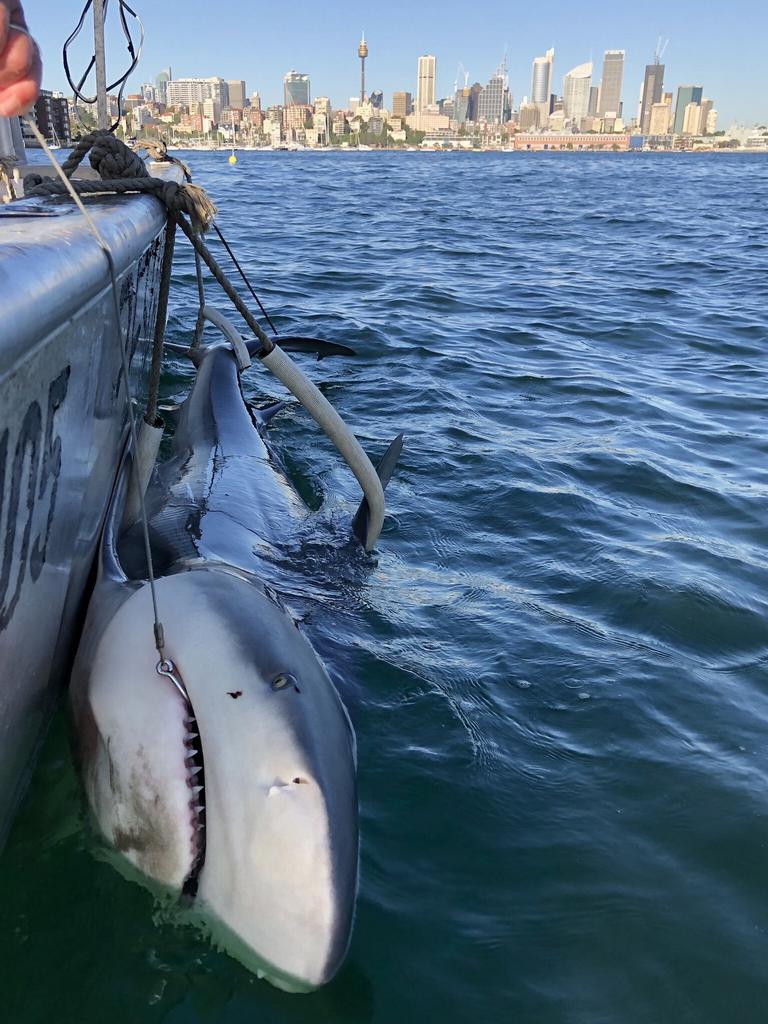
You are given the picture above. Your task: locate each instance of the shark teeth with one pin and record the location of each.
(193, 762)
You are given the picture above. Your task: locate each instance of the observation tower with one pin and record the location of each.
(362, 53)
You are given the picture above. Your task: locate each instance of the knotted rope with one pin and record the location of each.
(121, 171)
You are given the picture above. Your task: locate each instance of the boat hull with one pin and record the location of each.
(62, 425)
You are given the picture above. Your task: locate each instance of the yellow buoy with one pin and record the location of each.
(233, 159)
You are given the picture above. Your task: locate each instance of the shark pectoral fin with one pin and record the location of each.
(385, 469)
(294, 343)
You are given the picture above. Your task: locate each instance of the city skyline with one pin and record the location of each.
(695, 53)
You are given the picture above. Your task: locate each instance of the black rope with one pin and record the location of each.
(134, 52)
(153, 390)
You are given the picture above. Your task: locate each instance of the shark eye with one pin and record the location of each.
(284, 679)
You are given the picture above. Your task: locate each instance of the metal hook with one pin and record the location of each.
(165, 667)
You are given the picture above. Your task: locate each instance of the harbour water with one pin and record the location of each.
(556, 667)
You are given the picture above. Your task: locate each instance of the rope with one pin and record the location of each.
(159, 151)
(200, 324)
(123, 171)
(153, 390)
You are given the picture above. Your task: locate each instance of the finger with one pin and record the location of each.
(18, 58)
(11, 14)
(5, 20)
(17, 97)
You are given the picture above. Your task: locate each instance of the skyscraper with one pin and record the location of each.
(161, 84)
(706, 110)
(541, 82)
(401, 104)
(493, 103)
(237, 94)
(609, 101)
(577, 86)
(661, 118)
(425, 85)
(296, 89)
(653, 85)
(685, 94)
(362, 53)
(461, 105)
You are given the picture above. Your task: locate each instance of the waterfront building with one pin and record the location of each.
(297, 116)
(426, 121)
(161, 83)
(711, 126)
(706, 110)
(575, 141)
(255, 117)
(461, 105)
(376, 99)
(577, 86)
(401, 104)
(660, 121)
(686, 94)
(362, 53)
(296, 89)
(529, 116)
(653, 84)
(340, 125)
(609, 99)
(493, 103)
(212, 110)
(184, 91)
(237, 94)
(692, 119)
(541, 83)
(425, 84)
(594, 98)
(51, 114)
(474, 99)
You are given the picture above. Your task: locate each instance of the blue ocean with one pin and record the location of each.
(556, 663)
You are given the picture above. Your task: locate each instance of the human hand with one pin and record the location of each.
(21, 68)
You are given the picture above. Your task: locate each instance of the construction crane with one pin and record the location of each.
(661, 47)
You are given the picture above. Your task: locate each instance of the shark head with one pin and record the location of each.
(239, 788)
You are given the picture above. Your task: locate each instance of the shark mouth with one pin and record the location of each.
(193, 761)
(195, 771)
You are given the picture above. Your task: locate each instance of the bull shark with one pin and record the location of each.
(225, 772)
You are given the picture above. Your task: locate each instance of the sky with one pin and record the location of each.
(719, 46)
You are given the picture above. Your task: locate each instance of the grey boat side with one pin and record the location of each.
(63, 421)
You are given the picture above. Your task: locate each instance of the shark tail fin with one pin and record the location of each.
(385, 469)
